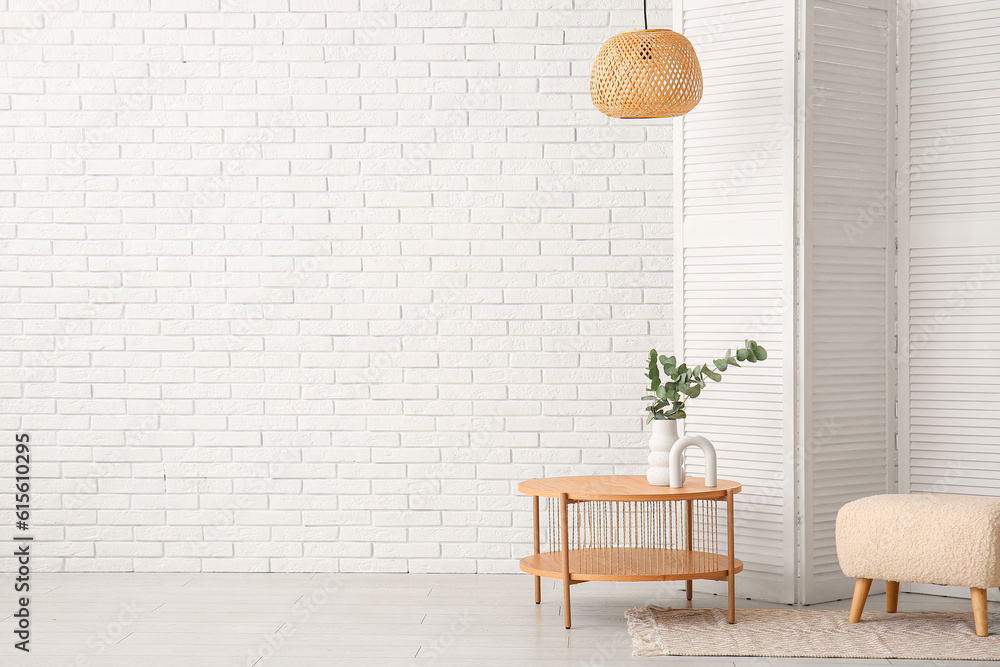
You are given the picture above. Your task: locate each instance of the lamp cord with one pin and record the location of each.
(645, 19)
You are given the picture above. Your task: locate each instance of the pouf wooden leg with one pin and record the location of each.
(891, 596)
(979, 612)
(861, 588)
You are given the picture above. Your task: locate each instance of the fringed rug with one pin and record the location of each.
(806, 633)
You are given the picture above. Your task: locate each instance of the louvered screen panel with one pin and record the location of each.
(728, 295)
(951, 297)
(846, 373)
(847, 379)
(950, 249)
(734, 198)
(952, 346)
(954, 354)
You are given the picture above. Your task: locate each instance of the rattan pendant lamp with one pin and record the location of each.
(646, 74)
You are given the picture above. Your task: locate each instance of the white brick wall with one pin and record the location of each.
(311, 284)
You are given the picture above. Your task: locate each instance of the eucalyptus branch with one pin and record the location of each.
(669, 396)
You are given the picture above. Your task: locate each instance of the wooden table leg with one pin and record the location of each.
(731, 530)
(861, 588)
(891, 596)
(538, 580)
(690, 547)
(564, 521)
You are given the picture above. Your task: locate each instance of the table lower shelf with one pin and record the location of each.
(631, 564)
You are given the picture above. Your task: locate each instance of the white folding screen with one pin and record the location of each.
(846, 375)
(782, 234)
(734, 232)
(949, 255)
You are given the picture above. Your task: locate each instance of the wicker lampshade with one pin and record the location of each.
(646, 74)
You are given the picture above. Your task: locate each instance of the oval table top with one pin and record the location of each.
(623, 487)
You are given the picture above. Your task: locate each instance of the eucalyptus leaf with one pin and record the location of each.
(654, 371)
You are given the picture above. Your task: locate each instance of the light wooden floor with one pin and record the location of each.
(369, 620)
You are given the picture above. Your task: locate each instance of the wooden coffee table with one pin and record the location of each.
(621, 528)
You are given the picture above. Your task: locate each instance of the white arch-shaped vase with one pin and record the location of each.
(677, 471)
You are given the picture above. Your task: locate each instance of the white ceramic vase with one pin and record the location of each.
(662, 438)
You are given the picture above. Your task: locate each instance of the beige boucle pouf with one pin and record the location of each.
(922, 538)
